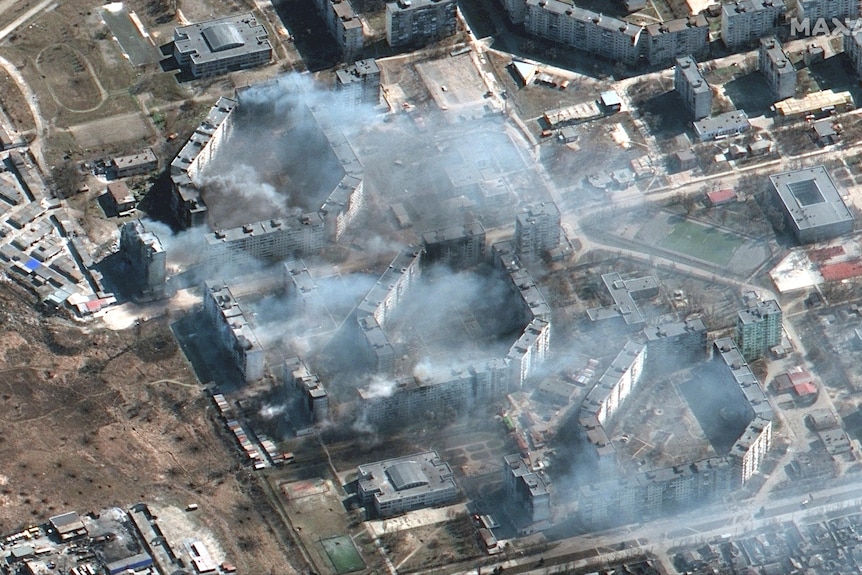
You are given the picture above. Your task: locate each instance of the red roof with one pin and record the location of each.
(823, 254)
(842, 271)
(721, 196)
(805, 389)
(800, 376)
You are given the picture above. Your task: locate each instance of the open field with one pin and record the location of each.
(94, 418)
(701, 242)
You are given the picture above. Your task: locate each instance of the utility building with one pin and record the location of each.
(776, 68)
(413, 482)
(758, 329)
(812, 206)
(223, 45)
(418, 22)
(692, 87)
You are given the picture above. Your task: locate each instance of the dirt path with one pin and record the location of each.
(33, 103)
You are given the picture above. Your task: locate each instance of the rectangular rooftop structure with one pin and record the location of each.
(812, 205)
(624, 293)
(727, 124)
(412, 482)
(223, 45)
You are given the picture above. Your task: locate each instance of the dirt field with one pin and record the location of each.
(92, 418)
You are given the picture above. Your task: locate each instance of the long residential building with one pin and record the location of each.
(813, 10)
(853, 49)
(419, 22)
(586, 30)
(343, 24)
(617, 40)
(743, 22)
(267, 242)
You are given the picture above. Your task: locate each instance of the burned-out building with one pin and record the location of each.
(418, 22)
(359, 84)
(233, 330)
(142, 252)
(457, 247)
(675, 345)
(314, 400)
(528, 488)
(537, 230)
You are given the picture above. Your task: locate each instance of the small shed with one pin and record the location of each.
(685, 160)
(611, 101)
(120, 198)
(718, 197)
(524, 71)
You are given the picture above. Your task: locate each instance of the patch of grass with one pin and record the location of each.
(702, 242)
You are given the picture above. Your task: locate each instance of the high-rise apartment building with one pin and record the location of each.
(359, 84)
(537, 230)
(145, 257)
(418, 22)
(776, 68)
(813, 10)
(343, 25)
(692, 87)
(745, 21)
(758, 329)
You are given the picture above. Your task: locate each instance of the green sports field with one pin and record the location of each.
(344, 556)
(702, 242)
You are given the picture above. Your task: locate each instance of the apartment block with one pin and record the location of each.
(343, 24)
(743, 22)
(315, 400)
(359, 84)
(144, 255)
(675, 345)
(776, 68)
(529, 490)
(853, 49)
(537, 230)
(664, 43)
(419, 22)
(458, 247)
(529, 351)
(268, 242)
(692, 87)
(758, 329)
(813, 10)
(595, 33)
(233, 330)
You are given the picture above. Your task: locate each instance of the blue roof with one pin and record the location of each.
(32, 264)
